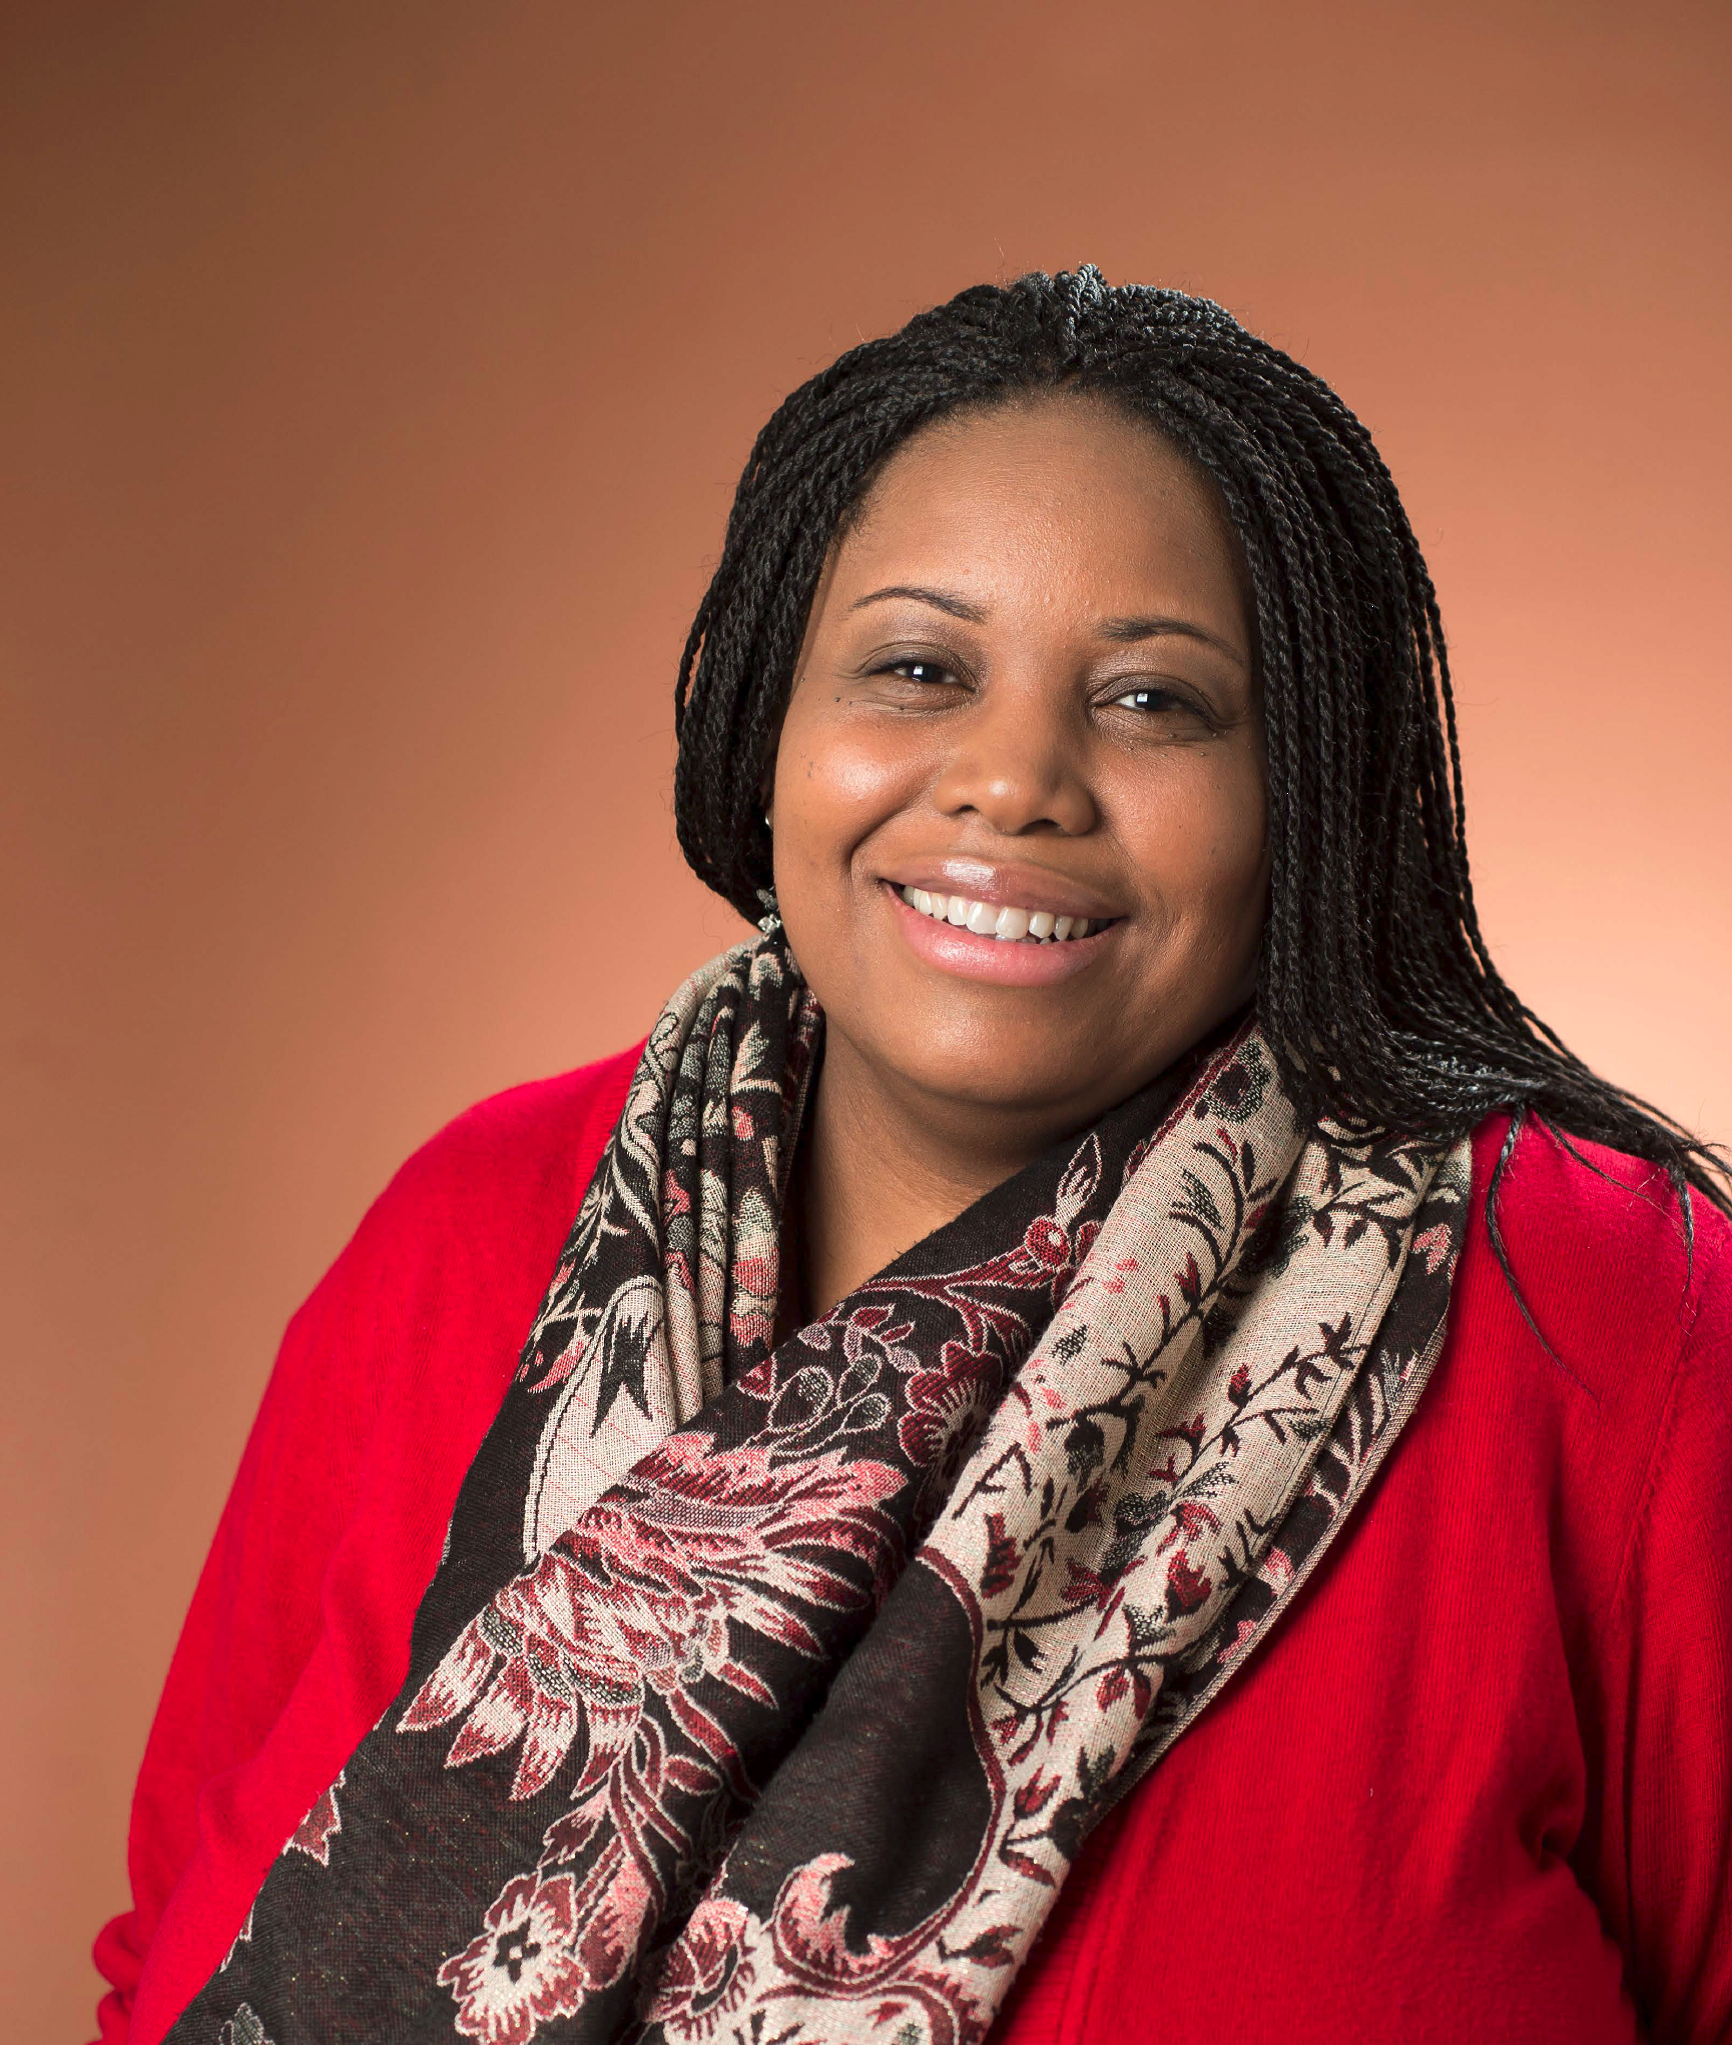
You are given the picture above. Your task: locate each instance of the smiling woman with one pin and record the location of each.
(1027, 687)
(1121, 1440)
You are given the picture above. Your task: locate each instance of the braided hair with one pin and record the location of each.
(1374, 987)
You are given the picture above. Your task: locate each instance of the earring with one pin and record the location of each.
(771, 920)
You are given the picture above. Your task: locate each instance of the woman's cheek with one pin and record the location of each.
(845, 783)
(1201, 832)
(1237, 885)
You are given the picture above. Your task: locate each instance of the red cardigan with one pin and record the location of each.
(1477, 1784)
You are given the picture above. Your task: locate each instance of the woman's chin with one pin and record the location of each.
(1048, 1088)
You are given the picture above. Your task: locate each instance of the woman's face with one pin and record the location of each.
(1027, 686)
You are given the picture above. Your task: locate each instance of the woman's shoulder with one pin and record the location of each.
(1617, 1279)
(1584, 1393)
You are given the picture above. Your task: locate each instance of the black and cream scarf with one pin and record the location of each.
(766, 1694)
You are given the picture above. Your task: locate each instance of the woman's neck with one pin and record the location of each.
(879, 1167)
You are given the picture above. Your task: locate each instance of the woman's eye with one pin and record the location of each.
(927, 672)
(1170, 712)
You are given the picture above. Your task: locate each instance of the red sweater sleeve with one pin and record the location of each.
(1664, 1842)
(255, 1613)
(297, 1636)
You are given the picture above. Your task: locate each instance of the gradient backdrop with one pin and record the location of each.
(375, 379)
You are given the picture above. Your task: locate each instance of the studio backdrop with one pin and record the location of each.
(375, 381)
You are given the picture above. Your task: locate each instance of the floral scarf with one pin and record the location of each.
(766, 1694)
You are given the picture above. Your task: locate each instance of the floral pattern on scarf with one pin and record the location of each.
(769, 1692)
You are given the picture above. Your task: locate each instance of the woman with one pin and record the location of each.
(1122, 1441)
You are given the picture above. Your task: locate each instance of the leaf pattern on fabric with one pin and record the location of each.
(770, 1692)
(313, 1835)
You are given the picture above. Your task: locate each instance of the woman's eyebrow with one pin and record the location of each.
(940, 600)
(1124, 630)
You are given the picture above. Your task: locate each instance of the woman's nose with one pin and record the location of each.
(1016, 761)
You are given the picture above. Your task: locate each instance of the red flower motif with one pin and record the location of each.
(1002, 1556)
(1193, 1519)
(1113, 1685)
(1433, 1245)
(522, 1969)
(707, 1972)
(1084, 1587)
(1186, 1588)
(1047, 1243)
(1191, 1433)
(941, 1403)
(1034, 1795)
(752, 1308)
(645, 1592)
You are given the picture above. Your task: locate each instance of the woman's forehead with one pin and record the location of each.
(1066, 491)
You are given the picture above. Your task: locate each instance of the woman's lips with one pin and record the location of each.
(976, 957)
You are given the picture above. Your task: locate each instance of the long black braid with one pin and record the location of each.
(1375, 986)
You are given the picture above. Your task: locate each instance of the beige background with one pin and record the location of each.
(375, 378)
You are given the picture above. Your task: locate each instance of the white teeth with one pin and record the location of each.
(986, 919)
